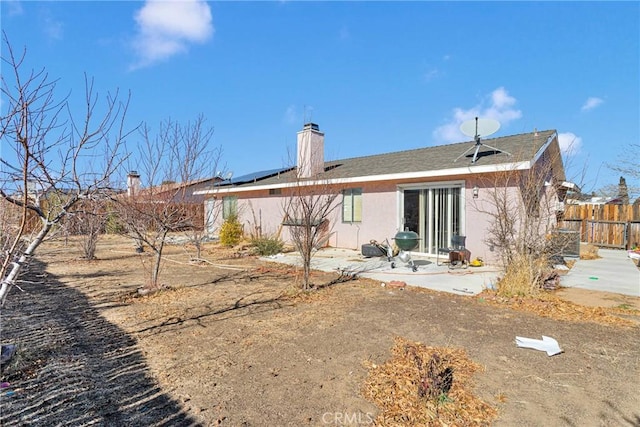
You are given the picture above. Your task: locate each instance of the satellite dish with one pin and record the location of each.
(480, 127)
(228, 175)
(476, 128)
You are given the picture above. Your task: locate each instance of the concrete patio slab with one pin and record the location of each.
(613, 272)
(469, 281)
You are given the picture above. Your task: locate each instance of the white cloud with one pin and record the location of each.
(591, 103)
(14, 7)
(431, 74)
(433, 71)
(166, 28)
(294, 116)
(290, 115)
(498, 105)
(570, 144)
(52, 28)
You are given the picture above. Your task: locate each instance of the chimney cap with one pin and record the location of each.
(134, 174)
(312, 126)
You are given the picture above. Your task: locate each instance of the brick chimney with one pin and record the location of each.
(310, 151)
(133, 183)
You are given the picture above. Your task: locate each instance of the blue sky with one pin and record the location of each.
(376, 76)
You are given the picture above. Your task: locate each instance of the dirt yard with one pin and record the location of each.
(232, 343)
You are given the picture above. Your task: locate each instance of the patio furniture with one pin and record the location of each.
(459, 258)
(457, 244)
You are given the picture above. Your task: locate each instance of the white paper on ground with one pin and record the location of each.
(547, 344)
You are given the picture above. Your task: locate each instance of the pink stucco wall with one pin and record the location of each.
(381, 216)
(480, 213)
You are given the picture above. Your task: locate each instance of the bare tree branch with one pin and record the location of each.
(51, 175)
(164, 204)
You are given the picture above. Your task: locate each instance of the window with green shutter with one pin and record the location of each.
(229, 206)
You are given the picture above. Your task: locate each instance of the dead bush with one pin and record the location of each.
(588, 251)
(525, 275)
(426, 386)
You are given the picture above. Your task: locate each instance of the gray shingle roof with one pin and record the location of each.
(521, 147)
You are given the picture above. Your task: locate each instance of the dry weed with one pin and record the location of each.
(549, 305)
(523, 276)
(398, 388)
(588, 251)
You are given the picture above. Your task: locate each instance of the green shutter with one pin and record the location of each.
(357, 205)
(352, 205)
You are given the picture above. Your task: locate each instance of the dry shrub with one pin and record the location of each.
(551, 306)
(426, 386)
(588, 251)
(524, 276)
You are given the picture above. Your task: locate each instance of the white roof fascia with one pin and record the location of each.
(570, 186)
(469, 170)
(544, 147)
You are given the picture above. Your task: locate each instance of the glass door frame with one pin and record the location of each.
(428, 239)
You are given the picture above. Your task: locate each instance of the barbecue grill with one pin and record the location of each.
(406, 241)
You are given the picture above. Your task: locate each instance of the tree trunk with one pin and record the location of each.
(155, 273)
(16, 267)
(306, 272)
(306, 261)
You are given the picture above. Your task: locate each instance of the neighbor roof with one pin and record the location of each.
(428, 161)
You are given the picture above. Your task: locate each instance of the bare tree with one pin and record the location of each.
(50, 160)
(214, 170)
(172, 161)
(88, 223)
(308, 211)
(311, 200)
(628, 164)
(522, 207)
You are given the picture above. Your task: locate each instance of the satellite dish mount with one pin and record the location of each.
(477, 128)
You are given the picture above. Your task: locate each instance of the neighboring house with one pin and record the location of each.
(174, 191)
(180, 196)
(435, 191)
(622, 197)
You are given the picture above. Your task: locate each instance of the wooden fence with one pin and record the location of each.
(613, 226)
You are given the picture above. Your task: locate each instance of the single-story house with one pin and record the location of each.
(436, 191)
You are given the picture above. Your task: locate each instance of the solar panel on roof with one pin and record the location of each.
(254, 176)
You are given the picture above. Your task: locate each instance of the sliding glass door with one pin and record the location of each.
(435, 213)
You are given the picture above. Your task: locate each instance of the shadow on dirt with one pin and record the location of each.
(632, 420)
(252, 302)
(238, 308)
(72, 366)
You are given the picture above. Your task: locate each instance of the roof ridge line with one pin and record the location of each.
(434, 146)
